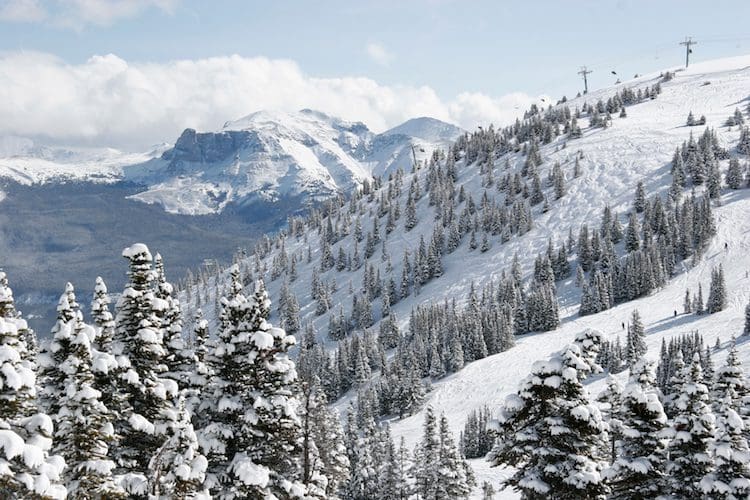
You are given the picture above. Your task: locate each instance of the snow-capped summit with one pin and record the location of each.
(270, 156)
(426, 129)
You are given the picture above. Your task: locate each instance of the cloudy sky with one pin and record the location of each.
(131, 73)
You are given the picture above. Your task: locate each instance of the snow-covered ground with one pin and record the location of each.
(636, 148)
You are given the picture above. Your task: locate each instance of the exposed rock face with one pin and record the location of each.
(212, 147)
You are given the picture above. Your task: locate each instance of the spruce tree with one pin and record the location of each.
(611, 400)
(325, 465)
(636, 339)
(394, 484)
(180, 467)
(28, 471)
(734, 174)
(632, 234)
(102, 317)
(550, 430)
(84, 428)
(143, 419)
(455, 476)
(52, 378)
(178, 358)
(253, 440)
(639, 204)
(717, 295)
(638, 471)
(425, 472)
(691, 434)
(731, 454)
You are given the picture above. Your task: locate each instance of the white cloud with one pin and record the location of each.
(108, 101)
(22, 11)
(78, 13)
(379, 54)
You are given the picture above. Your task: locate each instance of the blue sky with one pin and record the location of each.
(486, 50)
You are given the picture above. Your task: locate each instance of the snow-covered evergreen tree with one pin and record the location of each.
(178, 358)
(638, 471)
(691, 434)
(102, 317)
(610, 400)
(427, 458)
(26, 468)
(455, 476)
(52, 378)
(179, 467)
(147, 406)
(717, 295)
(394, 484)
(253, 440)
(84, 427)
(731, 454)
(550, 430)
(636, 340)
(325, 465)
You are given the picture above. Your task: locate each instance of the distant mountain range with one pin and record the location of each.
(269, 157)
(63, 208)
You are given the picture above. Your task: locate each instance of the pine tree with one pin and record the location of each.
(638, 471)
(611, 400)
(325, 465)
(698, 305)
(455, 476)
(636, 339)
(53, 381)
(147, 398)
(734, 174)
(83, 424)
(632, 234)
(692, 432)
(179, 467)
(427, 458)
(253, 440)
(394, 484)
(551, 432)
(102, 317)
(675, 383)
(363, 480)
(639, 204)
(24, 431)
(178, 359)
(731, 454)
(687, 305)
(717, 295)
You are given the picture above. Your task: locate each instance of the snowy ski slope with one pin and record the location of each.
(636, 148)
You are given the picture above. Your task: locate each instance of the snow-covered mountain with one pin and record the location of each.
(274, 156)
(263, 167)
(27, 163)
(268, 156)
(634, 147)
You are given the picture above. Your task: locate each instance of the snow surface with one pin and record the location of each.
(638, 147)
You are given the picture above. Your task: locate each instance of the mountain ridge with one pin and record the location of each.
(637, 146)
